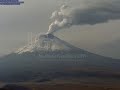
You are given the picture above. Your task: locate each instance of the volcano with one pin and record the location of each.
(49, 57)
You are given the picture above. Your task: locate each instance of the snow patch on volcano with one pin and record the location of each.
(46, 42)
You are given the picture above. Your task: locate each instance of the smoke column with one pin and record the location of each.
(99, 12)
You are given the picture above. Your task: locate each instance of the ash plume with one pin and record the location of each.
(95, 13)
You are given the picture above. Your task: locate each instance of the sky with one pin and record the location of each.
(34, 16)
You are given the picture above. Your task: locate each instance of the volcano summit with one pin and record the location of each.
(44, 42)
(49, 46)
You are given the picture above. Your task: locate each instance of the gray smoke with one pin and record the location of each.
(99, 12)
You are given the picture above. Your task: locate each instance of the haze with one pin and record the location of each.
(34, 16)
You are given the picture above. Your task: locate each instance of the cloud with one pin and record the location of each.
(93, 12)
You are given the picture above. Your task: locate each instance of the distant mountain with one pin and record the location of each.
(49, 57)
(110, 48)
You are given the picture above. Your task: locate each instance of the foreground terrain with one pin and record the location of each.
(61, 86)
(83, 83)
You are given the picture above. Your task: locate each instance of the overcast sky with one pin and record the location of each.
(34, 16)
